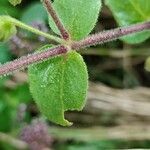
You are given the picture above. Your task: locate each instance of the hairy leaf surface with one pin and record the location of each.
(129, 12)
(58, 85)
(78, 16)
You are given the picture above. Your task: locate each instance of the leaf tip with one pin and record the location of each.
(67, 123)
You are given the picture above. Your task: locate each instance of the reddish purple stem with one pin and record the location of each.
(30, 59)
(101, 37)
(52, 12)
(110, 35)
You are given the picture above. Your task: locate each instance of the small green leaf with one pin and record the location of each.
(129, 12)
(7, 29)
(147, 64)
(58, 85)
(15, 2)
(78, 16)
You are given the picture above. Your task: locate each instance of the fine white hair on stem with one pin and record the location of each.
(110, 35)
(95, 39)
(56, 19)
(25, 61)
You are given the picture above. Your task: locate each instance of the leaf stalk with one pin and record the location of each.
(36, 31)
(64, 33)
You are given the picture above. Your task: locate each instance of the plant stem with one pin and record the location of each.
(25, 61)
(55, 17)
(110, 35)
(36, 31)
(99, 38)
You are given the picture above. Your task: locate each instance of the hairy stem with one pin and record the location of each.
(36, 31)
(25, 61)
(114, 53)
(53, 14)
(99, 38)
(110, 35)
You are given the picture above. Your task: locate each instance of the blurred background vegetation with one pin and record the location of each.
(117, 114)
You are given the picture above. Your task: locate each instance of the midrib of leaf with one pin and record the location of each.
(63, 65)
(138, 10)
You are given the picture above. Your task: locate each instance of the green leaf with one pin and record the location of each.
(129, 12)
(4, 2)
(58, 85)
(147, 64)
(7, 9)
(5, 54)
(78, 16)
(7, 29)
(35, 12)
(15, 2)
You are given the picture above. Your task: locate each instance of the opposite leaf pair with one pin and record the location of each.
(60, 84)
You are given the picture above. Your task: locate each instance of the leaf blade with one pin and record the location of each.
(131, 12)
(50, 84)
(78, 16)
(75, 82)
